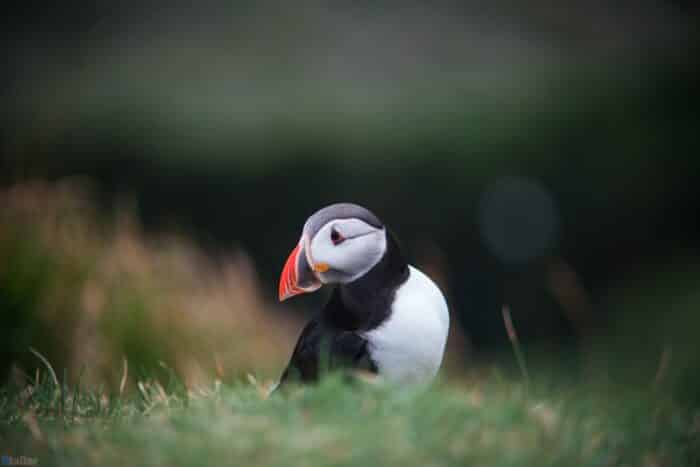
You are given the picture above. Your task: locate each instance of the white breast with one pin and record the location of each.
(409, 345)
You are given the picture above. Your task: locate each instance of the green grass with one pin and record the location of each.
(492, 421)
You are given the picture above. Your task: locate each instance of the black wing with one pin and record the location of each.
(323, 347)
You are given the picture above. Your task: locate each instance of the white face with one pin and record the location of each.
(348, 247)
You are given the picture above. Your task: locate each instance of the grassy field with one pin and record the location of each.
(156, 326)
(490, 421)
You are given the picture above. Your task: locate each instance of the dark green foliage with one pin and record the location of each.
(28, 275)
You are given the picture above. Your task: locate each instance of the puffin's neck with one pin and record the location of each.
(365, 303)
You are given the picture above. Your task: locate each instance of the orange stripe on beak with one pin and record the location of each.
(288, 279)
(297, 277)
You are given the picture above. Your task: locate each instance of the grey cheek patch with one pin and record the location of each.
(305, 275)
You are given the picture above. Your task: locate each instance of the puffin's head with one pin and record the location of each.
(338, 244)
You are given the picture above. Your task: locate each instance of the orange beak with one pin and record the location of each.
(298, 275)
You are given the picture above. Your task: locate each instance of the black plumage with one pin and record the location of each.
(332, 340)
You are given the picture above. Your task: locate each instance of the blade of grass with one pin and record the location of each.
(662, 369)
(64, 387)
(513, 337)
(46, 362)
(125, 375)
(76, 392)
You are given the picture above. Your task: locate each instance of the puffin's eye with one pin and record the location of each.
(336, 238)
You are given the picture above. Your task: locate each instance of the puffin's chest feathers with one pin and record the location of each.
(409, 344)
(403, 317)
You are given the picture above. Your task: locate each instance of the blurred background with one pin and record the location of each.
(159, 160)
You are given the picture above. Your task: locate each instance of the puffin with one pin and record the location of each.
(383, 316)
